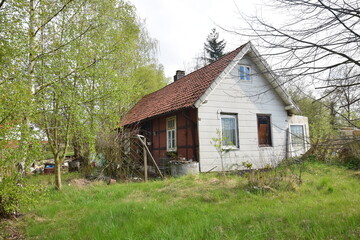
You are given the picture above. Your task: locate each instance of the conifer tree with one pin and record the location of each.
(213, 47)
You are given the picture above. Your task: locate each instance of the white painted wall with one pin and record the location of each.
(246, 99)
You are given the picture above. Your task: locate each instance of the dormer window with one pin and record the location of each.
(245, 72)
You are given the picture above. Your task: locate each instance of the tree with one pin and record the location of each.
(321, 121)
(76, 63)
(317, 37)
(344, 101)
(213, 47)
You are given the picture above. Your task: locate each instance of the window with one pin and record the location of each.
(245, 72)
(264, 130)
(229, 130)
(297, 139)
(171, 134)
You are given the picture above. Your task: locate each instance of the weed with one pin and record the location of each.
(206, 207)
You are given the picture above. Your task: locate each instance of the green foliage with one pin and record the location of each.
(213, 47)
(349, 155)
(73, 68)
(321, 122)
(15, 193)
(218, 143)
(150, 77)
(352, 162)
(20, 146)
(203, 207)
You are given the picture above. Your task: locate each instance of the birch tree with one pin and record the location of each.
(78, 59)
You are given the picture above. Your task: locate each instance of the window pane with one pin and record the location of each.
(248, 73)
(229, 131)
(297, 135)
(169, 139)
(242, 73)
(264, 130)
(171, 124)
(173, 139)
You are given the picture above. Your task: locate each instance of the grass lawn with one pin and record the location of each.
(325, 206)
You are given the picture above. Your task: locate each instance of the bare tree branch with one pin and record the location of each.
(2, 3)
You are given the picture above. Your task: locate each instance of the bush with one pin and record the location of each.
(15, 194)
(352, 163)
(350, 155)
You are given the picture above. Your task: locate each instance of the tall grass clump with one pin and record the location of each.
(285, 177)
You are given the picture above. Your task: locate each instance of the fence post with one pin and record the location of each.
(145, 161)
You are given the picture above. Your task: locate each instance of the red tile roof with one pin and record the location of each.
(180, 94)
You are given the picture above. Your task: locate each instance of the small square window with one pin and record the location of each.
(245, 72)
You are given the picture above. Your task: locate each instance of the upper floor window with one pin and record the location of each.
(245, 72)
(264, 130)
(229, 130)
(171, 134)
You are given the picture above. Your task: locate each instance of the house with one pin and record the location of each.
(238, 96)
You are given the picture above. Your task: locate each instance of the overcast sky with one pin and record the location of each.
(181, 26)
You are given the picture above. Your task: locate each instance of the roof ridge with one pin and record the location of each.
(208, 64)
(181, 93)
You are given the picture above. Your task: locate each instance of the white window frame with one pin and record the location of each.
(171, 146)
(247, 75)
(232, 116)
(303, 133)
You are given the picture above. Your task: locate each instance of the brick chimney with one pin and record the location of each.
(179, 74)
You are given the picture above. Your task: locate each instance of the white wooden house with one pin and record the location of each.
(238, 96)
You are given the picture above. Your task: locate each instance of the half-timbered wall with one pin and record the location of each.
(186, 135)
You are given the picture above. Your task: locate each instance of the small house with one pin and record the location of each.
(235, 104)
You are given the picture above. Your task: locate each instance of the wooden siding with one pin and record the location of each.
(186, 135)
(246, 99)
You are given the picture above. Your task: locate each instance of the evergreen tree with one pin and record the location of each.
(213, 47)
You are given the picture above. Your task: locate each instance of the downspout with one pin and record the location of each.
(287, 143)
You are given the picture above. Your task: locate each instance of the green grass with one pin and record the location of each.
(324, 206)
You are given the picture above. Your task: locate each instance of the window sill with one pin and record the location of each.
(246, 81)
(230, 148)
(265, 146)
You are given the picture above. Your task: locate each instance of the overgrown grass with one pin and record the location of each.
(324, 206)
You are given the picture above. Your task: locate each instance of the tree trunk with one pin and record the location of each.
(332, 114)
(58, 184)
(77, 147)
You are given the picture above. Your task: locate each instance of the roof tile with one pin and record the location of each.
(180, 94)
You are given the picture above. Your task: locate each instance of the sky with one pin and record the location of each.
(182, 26)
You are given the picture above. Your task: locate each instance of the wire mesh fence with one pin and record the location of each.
(335, 148)
(125, 156)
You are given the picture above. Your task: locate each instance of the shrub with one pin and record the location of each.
(349, 155)
(15, 194)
